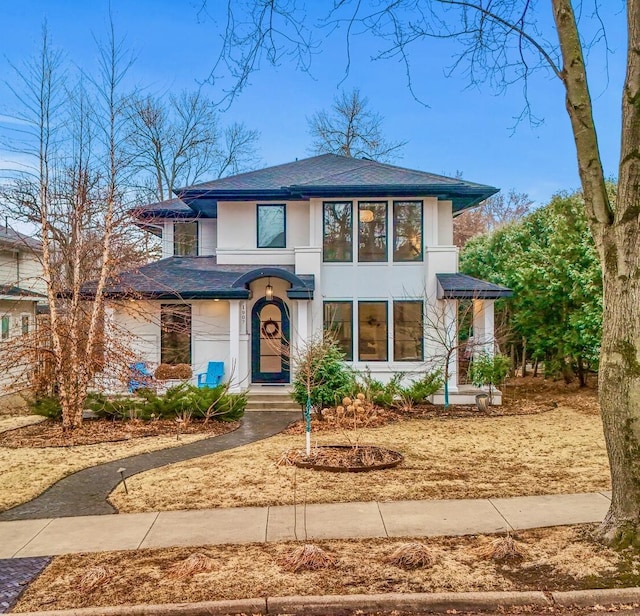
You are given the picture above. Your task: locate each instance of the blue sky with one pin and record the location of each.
(463, 129)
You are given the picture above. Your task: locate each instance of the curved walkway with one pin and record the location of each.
(85, 493)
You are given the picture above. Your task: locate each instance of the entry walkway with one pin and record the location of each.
(86, 492)
(52, 536)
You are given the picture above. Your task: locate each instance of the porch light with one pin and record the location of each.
(366, 215)
(268, 291)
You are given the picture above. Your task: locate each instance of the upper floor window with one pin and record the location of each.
(272, 226)
(24, 324)
(407, 231)
(337, 231)
(175, 334)
(5, 327)
(372, 231)
(185, 239)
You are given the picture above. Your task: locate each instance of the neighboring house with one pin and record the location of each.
(21, 288)
(256, 264)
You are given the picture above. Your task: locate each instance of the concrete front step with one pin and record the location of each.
(258, 405)
(265, 399)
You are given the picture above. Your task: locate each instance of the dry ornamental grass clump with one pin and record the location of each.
(503, 548)
(411, 556)
(196, 563)
(307, 557)
(95, 577)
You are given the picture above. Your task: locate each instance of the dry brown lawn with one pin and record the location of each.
(28, 471)
(558, 451)
(553, 559)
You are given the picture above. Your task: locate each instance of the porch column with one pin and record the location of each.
(483, 326)
(451, 340)
(234, 346)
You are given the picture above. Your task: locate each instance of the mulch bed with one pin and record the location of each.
(93, 431)
(345, 458)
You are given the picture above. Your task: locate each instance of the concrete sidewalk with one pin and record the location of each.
(52, 536)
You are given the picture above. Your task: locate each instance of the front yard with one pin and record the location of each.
(560, 450)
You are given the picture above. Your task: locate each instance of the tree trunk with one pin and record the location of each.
(524, 357)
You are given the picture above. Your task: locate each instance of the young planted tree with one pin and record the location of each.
(507, 41)
(350, 128)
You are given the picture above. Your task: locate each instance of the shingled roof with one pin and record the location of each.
(12, 292)
(182, 278)
(171, 208)
(18, 241)
(332, 176)
(462, 286)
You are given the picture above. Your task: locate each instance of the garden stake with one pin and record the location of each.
(307, 419)
(121, 471)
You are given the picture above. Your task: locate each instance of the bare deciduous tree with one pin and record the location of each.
(74, 192)
(350, 128)
(179, 142)
(506, 42)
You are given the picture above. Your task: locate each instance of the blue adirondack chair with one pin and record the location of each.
(213, 375)
(140, 376)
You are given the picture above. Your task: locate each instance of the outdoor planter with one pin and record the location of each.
(482, 402)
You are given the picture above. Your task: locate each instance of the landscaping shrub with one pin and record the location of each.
(420, 390)
(46, 406)
(489, 370)
(165, 372)
(322, 374)
(199, 402)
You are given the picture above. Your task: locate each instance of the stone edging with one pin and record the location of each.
(347, 604)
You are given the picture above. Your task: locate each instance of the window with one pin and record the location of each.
(338, 320)
(337, 231)
(372, 325)
(185, 239)
(24, 324)
(408, 326)
(5, 327)
(407, 231)
(372, 231)
(175, 334)
(272, 228)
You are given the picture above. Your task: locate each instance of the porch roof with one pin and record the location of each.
(462, 286)
(13, 293)
(181, 278)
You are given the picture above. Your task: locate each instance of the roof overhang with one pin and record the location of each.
(461, 286)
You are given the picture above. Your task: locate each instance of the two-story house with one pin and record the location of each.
(21, 288)
(256, 264)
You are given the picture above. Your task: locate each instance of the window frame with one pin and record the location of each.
(393, 213)
(164, 331)
(324, 219)
(422, 309)
(196, 245)
(284, 224)
(385, 302)
(349, 354)
(385, 258)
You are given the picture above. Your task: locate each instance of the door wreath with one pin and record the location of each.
(270, 329)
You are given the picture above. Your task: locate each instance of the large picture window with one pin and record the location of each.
(338, 321)
(185, 239)
(408, 337)
(372, 231)
(407, 231)
(175, 334)
(337, 232)
(373, 331)
(272, 229)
